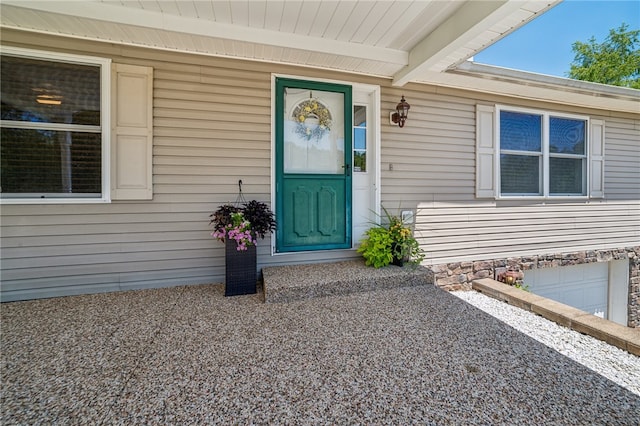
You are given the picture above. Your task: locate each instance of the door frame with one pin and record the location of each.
(340, 179)
(374, 93)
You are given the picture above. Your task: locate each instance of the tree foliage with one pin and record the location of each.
(616, 61)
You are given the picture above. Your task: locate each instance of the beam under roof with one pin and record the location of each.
(467, 23)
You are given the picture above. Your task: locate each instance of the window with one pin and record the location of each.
(53, 128)
(541, 154)
(359, 138)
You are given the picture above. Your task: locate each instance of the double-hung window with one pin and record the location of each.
(527, 153)
(54, 127)
(541, 154)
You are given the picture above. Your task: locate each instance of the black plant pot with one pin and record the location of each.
(397, 261)
(241, 270)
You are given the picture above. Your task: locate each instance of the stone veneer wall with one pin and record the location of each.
(459, 275)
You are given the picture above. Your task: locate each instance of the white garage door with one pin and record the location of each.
(581, 286)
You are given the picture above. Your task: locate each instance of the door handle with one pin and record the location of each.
(347, 169)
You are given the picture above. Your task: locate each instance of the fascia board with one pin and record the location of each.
(534, 91)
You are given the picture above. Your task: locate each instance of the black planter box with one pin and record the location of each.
(241, 270)
(398, 261)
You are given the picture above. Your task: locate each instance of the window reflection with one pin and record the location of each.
(44, 91)
(566, 136)
(359, 138)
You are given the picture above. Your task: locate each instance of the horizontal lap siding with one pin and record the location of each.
(451, 233)
(432, 158)
(202, 147)
(433, 171)
(211, 128)
(622, 161)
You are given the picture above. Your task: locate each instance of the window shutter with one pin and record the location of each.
(131, 132)
(485, 152)
(596, 158)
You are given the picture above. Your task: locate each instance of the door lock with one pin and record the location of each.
(347, 169)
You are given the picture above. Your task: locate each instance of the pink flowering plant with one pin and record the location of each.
(239, 230)
(242, 224)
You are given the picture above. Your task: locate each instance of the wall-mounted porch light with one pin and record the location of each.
(401, 114)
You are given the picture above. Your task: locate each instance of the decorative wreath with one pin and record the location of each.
(312, 108)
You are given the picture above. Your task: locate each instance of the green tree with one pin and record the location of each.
(616, 61)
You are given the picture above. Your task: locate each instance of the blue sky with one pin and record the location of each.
(544, 44)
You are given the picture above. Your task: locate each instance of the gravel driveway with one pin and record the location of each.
(188, 355)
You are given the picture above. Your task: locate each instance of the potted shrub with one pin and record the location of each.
(239, 227)
(390, 243)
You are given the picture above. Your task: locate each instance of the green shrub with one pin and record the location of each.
(376, 247)
(391, 242)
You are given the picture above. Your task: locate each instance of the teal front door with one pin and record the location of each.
(313, 165)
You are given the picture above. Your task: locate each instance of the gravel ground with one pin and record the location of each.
(613, 363)
(188, 355)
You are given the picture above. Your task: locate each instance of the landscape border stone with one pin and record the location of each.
(625, 338)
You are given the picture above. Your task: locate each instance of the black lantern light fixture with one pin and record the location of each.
(402, 112)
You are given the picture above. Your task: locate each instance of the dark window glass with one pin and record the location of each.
(49, 92)
(360, 161)
(566, 176)
(521, 132)
(54, 148)
(520, 175)
(48, 161)
(528, 151)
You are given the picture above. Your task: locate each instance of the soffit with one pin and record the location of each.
(401, 40)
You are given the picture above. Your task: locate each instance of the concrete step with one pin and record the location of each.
(298, 282)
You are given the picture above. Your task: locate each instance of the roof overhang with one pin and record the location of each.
(406, 42)
(534, 86)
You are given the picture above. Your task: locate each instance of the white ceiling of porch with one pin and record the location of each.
(403, 40)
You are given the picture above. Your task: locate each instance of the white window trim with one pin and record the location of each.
(546, 114)
(105, 120)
